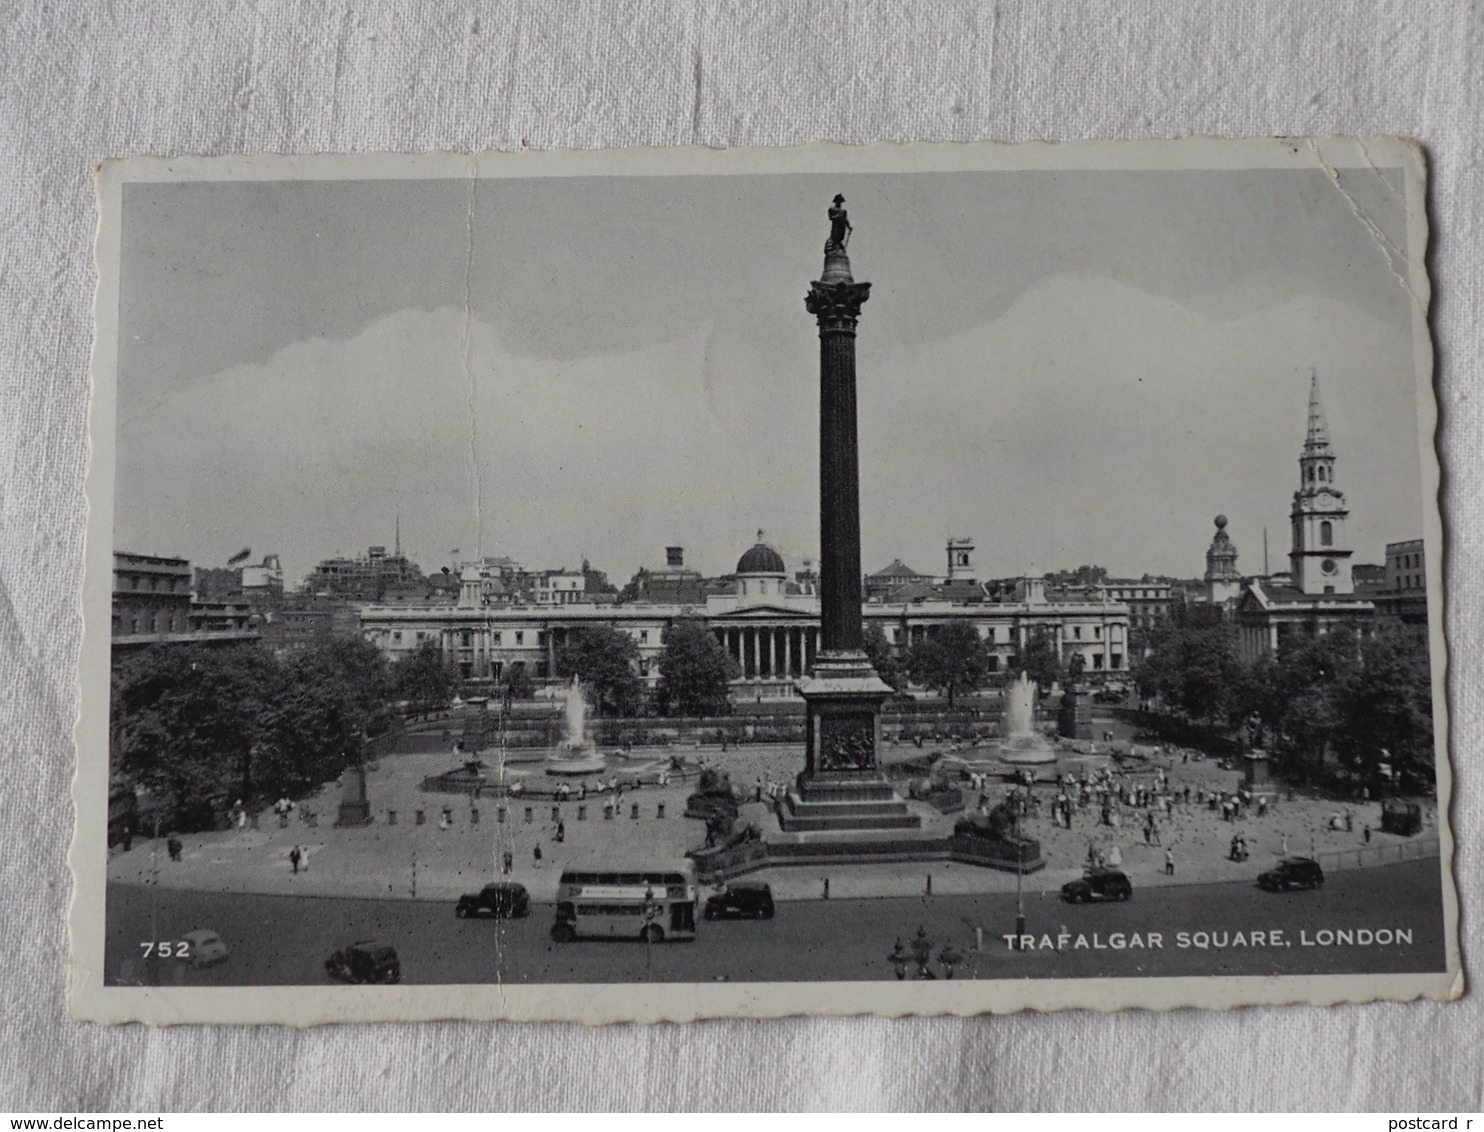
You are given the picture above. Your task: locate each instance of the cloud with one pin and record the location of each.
(1097, 423)
(1091, 422)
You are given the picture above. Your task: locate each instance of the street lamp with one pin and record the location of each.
(922, 953)
(899, 959)
(950, 957)
(651, 912)
(1019, 883)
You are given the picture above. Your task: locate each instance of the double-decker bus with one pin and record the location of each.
(648, 902)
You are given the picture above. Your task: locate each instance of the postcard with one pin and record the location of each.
(668, 584)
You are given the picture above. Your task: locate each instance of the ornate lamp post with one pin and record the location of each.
(950, 957)
(899, 959)
(1019, 883)
(651, 913)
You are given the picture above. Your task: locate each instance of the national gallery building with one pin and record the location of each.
(768, 625)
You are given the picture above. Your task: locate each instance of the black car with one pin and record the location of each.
(1100, 885)
(1290, 873)
(366, 961)
(503, 900)
(751, 900)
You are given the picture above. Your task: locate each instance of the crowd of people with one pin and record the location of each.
(1157, 806)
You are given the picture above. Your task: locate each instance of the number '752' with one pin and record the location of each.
(166, 949)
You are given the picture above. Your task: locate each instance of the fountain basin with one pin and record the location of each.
(1026, 750)
(575, 759)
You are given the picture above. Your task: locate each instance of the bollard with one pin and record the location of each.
(391, 817)
(420, 816)
(582, 813)
(978, 939)
(556, 813)
(826, 888)
(473, 815)
(930, 884)
(530, 814)
(634, 811)
(659, 811)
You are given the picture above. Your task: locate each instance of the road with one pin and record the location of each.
(277, 940)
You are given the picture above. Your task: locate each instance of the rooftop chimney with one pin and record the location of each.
(674, 556)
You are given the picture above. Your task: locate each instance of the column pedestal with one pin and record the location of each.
(842, 788)
(355, 808)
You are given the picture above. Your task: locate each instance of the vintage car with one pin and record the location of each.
(206, 947)
(502, 900)
(1290, 873)
(1098, 885)
(366, 961)
(751, 900)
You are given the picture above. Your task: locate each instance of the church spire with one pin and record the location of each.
(1317, 441)
(1320, 558)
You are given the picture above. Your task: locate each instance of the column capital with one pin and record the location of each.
(837, 306)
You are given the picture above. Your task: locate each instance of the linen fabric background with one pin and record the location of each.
(83, 82)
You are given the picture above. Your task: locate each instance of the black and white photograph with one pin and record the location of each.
(675, 584)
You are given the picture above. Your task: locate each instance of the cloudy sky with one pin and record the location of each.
(1069, 367)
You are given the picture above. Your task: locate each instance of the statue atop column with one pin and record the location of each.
(839, 225)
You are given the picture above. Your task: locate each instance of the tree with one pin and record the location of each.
(952, 660)
(1081, 576)
(1313, 686)
(1193, 669)
(1038, 660)
(516, 682)
(333, 695)
(606, 660)
(883, 657)
(1388, 713)
(695, 672)
(425, 678)
(188, 723)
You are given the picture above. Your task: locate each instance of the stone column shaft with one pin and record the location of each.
(839, 493)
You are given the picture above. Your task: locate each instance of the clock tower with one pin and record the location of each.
(1320, 558)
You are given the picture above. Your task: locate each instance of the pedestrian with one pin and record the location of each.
(173, 846)
(1169, 862)
(507, 862)
(294, 858)
(561, 832)
(1367, 834)
(536, 855)
(1283, 845)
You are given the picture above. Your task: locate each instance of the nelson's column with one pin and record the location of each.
(841, 787)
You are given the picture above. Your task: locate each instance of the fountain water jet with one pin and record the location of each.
(1022, 743)
(575, 753)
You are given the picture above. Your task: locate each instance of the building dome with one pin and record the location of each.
(1220, 522)
(761, 559)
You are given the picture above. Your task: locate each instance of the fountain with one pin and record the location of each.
(1022, 743)
(576, 753)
